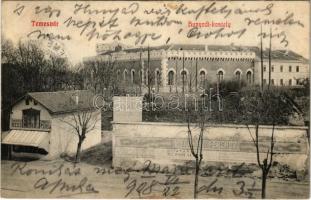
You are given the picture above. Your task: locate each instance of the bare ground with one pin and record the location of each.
(58, 178)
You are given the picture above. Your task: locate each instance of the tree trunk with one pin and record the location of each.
(196, 179)
(78, 151)
(263, 185)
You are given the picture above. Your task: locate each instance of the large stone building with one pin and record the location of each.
(189, 67)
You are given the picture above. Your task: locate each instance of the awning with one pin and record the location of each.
(38, 139)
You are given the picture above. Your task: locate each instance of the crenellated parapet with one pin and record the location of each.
(212, 55)
(179, 54)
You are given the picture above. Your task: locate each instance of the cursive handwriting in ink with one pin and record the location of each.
(172, 185)
(103, 35)
(169, 188)
(280, 35)
(80, 24)
(87, 9)
(211, 188)
(115, 171)
(161, 11)
(289, 20)
(243, 191)
(140, 37)
(224, 10)
(218, 33)
(131, 9)
(19, 9)
(58, 170)
(159, 21)
(205, 9)
(143, 188)
(50, 36)
(61, 186)
(48, 10)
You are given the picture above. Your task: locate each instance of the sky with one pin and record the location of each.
(17, 17)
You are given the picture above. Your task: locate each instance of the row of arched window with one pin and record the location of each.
(184, 73)
(156, 78)
(203, 73)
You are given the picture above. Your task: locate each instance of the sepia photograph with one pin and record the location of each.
(155, 99)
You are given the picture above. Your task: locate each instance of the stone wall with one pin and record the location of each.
(127, 109)
(211, 67)
(167, 144)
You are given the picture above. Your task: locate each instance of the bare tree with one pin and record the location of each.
(183, 73)
(56, 73)
(269, 107)
(267, 161)
(38, 71)
(82, 122)
(150, 80)
(32, 62)
(196, 147)
(100, 74)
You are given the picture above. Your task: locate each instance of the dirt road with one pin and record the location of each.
(51, 179)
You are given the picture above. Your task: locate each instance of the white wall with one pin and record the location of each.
(17, 110)
(64, 138)
(166, 143)
(127, 109)
(285, 75)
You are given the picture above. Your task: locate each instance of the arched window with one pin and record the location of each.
(147, 77)
(118, 74)
(202, 77)
(238, 75)
(184, 75)
(170, 78)
(158, 77)
(140, 76)
(132, 76)
(125, 74)
(249, 77)
(220, 76)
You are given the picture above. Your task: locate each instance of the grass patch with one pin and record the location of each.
(98, 155)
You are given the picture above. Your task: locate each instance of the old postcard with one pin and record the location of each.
(155, 100)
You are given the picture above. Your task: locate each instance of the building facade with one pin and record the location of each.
(190, 67)
(42, 123)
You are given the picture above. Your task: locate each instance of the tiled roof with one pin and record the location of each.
(64, 101)
(233, 48)
(195, 47)
(275, 54)
(138, 49)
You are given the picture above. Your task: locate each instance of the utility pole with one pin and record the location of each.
(183, 72)
(196, 75)
(141, 70)
(149, 82)
(270, 60)
(176, 75)
(190, 78)
(261, 59)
